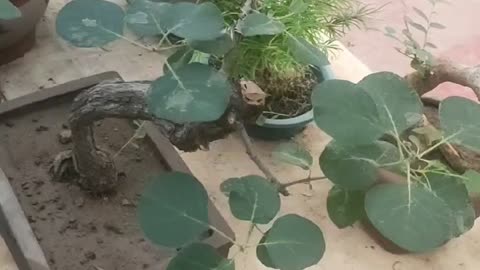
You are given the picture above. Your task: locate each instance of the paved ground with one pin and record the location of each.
(460, 41)
(54, 62)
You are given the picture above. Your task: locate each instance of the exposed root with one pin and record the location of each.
(63, 167)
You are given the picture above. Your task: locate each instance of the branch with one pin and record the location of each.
(128, 100)
(249, 148)
(445, 71)
(304, 181)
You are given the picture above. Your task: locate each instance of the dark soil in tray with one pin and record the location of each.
(78, 231)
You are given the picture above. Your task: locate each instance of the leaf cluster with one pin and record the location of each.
(192, 91)
(418, 49)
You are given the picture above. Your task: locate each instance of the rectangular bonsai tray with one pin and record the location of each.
(52, 225)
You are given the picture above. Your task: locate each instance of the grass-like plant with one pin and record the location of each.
(320, 22)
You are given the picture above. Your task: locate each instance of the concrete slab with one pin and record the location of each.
(348, 249)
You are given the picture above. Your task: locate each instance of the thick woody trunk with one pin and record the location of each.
(127, 100)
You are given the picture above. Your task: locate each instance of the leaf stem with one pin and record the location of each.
(409, 186)
(133, 42)
(258, 229)
(129, 141)
(224, 235)
(304, 181)
(435, 146)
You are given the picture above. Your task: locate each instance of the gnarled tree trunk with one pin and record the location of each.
(96, 168)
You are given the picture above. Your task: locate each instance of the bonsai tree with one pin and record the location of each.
(383, 159)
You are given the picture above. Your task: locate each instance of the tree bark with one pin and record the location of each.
(445, 71)
(127, 100)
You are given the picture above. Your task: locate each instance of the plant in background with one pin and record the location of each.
(8, 11)
(418, 51)
(381, 159)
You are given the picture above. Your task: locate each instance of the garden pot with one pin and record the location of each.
(56, 225)
(17, 36)
(279, 129)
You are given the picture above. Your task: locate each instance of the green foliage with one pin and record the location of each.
(8, 11)
(427, 204)
(380, 103)
(376, 127)
(253, 198)
(398, 106)
(472, 183)
(200, 257)
(355, 167)
(414, 218)
(345, 207)
(192, 93)
(455, 194)
(78, 24)
(413, 48)
(358, 110)
(294, 154)
(306, 53)
(293, 243)
(304, 19)
(467, 131)
(167, 218)
(258, 24)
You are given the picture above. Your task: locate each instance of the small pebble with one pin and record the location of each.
(65, 136)
(41, 128)
(126, 202)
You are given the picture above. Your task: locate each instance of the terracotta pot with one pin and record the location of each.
(18, 36)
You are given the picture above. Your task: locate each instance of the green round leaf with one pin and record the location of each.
(294, 154)
(219, 46)
(346, 112)
(90, 23)
(144, 17)
(200, 257)
(256, 24)
(195, 21)
(459, 119)
(8, 11)
(254, 199)
(298, 6)
(345, 207)
(418, 224)
(454, 193)
(306, 53)
(293, 243)
(355, 167)
(180, 58)
(262, 254)
(398, 106)
(195, 93)
(227, 186)
(472, 182)
(167, 218)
